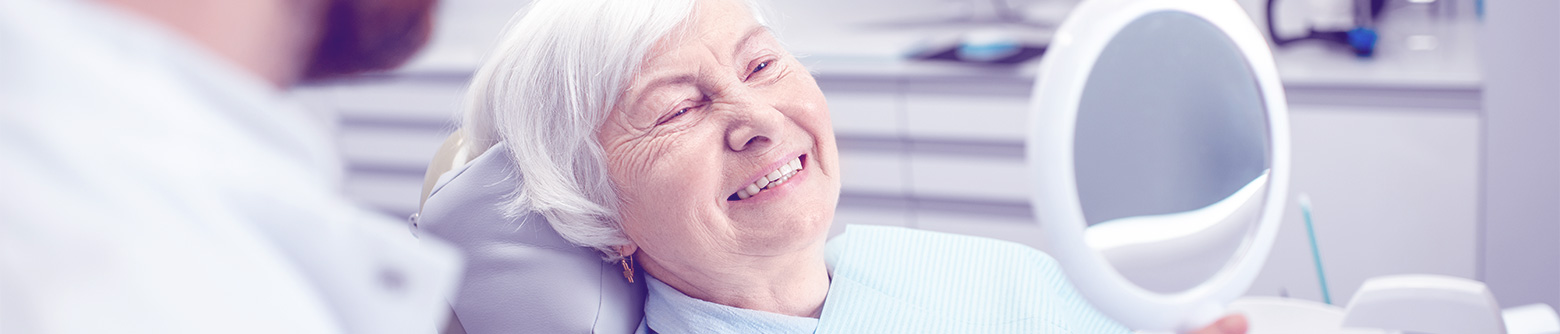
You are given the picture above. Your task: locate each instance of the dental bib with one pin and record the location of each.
(897, 280)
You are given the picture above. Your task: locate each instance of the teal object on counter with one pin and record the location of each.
(1363, 41)
(1316, 253)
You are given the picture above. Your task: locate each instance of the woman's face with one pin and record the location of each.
(710, 117)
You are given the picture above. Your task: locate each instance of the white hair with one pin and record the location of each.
(555, 75)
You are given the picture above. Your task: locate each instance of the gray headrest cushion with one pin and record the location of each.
(521, 276)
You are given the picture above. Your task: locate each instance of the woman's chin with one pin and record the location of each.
(787, 215)
(792, 235)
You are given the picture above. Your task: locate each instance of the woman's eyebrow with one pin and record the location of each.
(667, 81)
(736, 50)
(660, 83)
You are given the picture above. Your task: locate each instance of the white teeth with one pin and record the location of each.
(774, 178)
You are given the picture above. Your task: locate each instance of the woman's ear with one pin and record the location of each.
(626, 250)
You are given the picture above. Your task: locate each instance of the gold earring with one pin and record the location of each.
(628, 268)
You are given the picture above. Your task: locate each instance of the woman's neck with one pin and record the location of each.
(794, 284)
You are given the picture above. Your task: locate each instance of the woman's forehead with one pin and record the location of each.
(714, 24)
(718, 30)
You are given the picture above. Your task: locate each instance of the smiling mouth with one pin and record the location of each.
(774, 179)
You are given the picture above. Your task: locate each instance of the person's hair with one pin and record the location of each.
(556, 73)
(368, 35)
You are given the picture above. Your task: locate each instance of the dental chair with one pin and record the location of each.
(521, 276)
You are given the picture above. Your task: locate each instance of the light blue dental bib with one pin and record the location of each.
(896, 280)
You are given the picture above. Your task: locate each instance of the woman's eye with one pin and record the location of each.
(673, 115)
(759, 68)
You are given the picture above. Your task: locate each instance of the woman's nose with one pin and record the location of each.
(754, 127)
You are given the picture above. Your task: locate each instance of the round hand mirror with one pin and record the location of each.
(1159, 147)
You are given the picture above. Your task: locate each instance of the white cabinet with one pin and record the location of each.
(1393, 190)
(977, 109)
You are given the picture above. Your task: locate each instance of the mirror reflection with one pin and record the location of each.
(1170, 151)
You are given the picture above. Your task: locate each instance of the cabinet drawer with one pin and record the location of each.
(863, 108)
(967, 110)
(969, 177)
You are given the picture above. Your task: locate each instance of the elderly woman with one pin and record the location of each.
(679, 135)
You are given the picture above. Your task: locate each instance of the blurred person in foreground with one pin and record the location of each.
(158, 180)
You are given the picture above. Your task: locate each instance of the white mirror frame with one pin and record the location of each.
(1059, 87)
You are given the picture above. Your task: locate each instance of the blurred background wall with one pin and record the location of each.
(1521, 57)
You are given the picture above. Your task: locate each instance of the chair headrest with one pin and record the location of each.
(521, 276)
